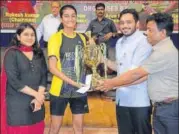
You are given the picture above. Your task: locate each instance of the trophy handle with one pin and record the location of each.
(78, 56)
(104, 52)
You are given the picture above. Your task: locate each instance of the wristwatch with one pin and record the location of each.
(113, 35)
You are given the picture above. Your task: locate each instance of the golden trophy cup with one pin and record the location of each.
(92, 56)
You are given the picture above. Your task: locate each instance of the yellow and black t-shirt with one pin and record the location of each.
(63, 47)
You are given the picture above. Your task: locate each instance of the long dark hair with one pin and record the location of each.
(61, 14)
(15, 42)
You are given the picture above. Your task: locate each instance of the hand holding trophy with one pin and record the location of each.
(90, 40)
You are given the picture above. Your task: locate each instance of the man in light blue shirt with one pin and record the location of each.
(160, 70)
(133, 108)
(49, 24)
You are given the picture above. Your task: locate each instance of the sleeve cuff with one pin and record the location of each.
(52, 56)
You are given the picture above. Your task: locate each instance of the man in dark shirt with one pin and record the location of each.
(102, 29)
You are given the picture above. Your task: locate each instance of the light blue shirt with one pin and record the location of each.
(48, 26)
(131, 51)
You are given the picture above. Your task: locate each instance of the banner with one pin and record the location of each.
(32, 11)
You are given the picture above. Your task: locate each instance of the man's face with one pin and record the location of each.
(100, 11)
(127, 24)
(55, 7)
(154, 35)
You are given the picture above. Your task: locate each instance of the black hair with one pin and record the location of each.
(163, 21)
(130, 11)
(61, 14)
(15, 42)
(60, 27)
(99, 5)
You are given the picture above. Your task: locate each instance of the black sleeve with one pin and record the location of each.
(12, 71)
(113, 27)
(44, 71)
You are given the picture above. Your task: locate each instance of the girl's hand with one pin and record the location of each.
(40, 97)
(79, 85)
(37, 105)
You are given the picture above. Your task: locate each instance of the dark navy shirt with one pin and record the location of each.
(100, 28)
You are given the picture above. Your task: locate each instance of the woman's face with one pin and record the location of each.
(69, 18)
(27, 37)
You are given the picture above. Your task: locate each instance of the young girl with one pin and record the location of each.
(61, 53)
(23, 84)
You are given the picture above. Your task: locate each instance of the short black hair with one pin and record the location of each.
(99, 5)
(130, 11)
(163, 21)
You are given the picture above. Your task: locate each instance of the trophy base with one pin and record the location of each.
(95, 79)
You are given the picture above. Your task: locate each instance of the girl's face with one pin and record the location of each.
(69, 18)
(27, 37)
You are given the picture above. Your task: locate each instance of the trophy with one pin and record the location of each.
(79, 64)
(88, 34)
(92, 56)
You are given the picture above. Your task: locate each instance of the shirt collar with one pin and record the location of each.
(161, 43)
(73, 36)
(58, 16)
(103, 19)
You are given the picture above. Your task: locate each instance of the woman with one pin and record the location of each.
(22, 95)
(61, 53)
